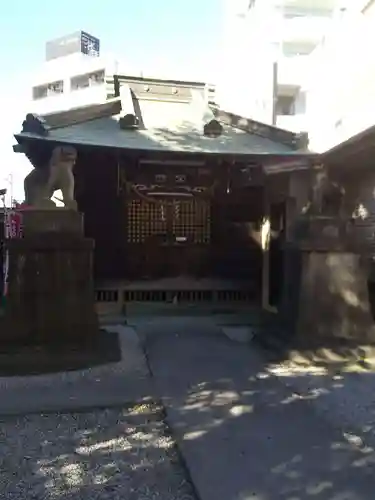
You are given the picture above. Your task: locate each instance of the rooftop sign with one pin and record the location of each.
(78, 42)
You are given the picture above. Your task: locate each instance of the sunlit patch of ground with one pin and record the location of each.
(107, 454)
(325, 361)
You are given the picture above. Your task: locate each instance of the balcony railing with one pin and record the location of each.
(305, 29)
(308, 4)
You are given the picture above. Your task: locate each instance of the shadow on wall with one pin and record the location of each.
(329, 307)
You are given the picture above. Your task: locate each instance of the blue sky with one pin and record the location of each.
(184, 32)
(182, 36)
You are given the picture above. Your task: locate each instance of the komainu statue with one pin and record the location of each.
(327, 196)
(41, 183)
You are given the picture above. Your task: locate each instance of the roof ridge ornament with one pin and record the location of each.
(128, 118)
(211, 126)
(35, 124)
(42, 124)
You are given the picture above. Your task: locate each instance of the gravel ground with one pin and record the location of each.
(108, 454)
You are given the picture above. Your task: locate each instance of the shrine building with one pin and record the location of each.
(179, 195)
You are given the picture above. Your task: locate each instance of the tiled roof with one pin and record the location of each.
(160, 124)
(359, 149)
(182, 137)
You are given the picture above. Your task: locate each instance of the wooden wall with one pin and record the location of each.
(98, 198)
(102, 198)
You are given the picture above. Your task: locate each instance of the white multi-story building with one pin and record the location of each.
(258, 33)
(74, 73)
(341, 97)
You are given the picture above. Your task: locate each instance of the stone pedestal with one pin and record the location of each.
(50, 293)
(331, 300)
(51, 221)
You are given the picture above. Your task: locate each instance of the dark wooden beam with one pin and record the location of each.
(145, 80)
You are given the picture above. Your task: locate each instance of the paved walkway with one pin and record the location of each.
(242, 429)
(242, 432)
(346, 398)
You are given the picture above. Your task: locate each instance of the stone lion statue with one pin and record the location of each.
(41, 183)
(327, 195)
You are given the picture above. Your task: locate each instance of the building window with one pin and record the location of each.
(292, 49)
(285, 105)
(88, 80)
(292, 11)
(47, 90)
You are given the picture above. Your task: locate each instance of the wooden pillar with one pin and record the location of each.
(290, 263)
(265, 241)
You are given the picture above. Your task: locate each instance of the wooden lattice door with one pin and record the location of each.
(191, 220)
(146, 220)
(167, 232)
(173, 222)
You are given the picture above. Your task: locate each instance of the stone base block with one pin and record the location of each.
(53, 219)
(334, 299)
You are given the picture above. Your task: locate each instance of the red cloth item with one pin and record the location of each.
(23, 206)
(13, 224)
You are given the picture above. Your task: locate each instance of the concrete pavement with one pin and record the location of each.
(241, 427)
(242, 432)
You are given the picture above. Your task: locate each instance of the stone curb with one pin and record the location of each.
(115, 384)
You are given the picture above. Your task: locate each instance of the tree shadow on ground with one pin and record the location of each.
(103, 454)
(250, 434)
